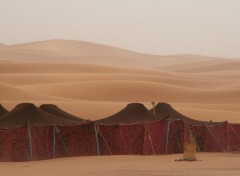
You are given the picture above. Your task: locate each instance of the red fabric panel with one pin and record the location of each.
(14, 144)
(76, 140)
(133, 137)
(176, 137)
(233, 137)
(211, 138)
(110, 139)
(148, 148)
(216, 138)
(158, 133)
(199, 133)
(42, 142)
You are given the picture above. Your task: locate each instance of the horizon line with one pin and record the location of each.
(117, 47)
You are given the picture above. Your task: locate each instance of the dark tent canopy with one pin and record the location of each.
(55, 110)
(2, 110)
(132, 113)
(163, 110)
(25, 112)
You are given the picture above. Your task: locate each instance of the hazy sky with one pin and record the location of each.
(209, 27)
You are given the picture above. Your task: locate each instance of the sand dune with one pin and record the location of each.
(16, 67)
(205, 66)
(12, 93)
(91, 53)
(82, 48)
(137, 90)
(72, 51)
(122, 75)
(95, 81)
(2, 45)
(234, 75)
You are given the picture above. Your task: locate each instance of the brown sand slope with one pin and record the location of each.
(102, 80)
(2, 45)
(205, 66)
(9, 92)
(134, 91)
(70, 51)
(82, 48)
(19, 79)
(91, 53)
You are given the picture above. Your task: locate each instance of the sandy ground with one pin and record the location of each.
(211, 164)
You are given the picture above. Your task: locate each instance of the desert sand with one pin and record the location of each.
(94, 81)
(219, 164)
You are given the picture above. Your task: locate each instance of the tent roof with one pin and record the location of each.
(164, 110)
(29, 112)
(55, 110)
(132, 113)
(2, 110)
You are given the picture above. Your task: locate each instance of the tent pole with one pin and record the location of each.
(168, 128)
(149, 136)
(96, 136)
(30, 139)
(154, 110)
(54, 141)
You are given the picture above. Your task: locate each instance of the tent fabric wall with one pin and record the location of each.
(141, 138)
(157, 132)
(133, 137)
(176, 137)
(144, 138)
(110, 140)
(199, 132)
(75, 140)
(216, 138)
(211, 138)
(14, 144)
(233, 135)
(42, 142)
(125, 139)
(156, 140)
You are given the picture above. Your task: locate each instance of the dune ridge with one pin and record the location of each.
(135, 90)
(95, 81)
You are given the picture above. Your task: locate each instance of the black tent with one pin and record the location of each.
(2, 110)
(132, 113)
(55, 110)
(27, 112)
(164, 110)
